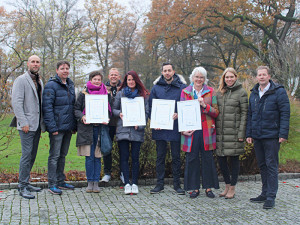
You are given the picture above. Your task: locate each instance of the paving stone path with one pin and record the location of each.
(111, 206)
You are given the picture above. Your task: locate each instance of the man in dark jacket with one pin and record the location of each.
(268, 126)
(112, 86)
(168, 86)
(58, 102)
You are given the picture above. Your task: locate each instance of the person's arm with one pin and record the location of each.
(249, 124)
(116, 108)
(211, 110)
(243, 111)
(284, 114)
(79, 107)
(48, 109)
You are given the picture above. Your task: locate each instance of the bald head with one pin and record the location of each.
(34, 64)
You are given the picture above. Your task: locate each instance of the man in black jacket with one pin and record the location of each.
(267, 126)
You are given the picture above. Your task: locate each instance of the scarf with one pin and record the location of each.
(129, 94)
(97, 90)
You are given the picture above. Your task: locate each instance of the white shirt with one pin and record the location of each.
(261, 93)
(197, 93)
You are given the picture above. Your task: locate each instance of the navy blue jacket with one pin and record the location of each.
(163, 90)
(58, 103)
(268, 116)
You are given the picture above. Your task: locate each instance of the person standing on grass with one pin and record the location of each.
(167, 86)
(232, 101)
(112, 86)
(88, 141)
(27, 104)
(58, 104)
(267, 127)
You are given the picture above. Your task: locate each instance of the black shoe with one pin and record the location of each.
(179, 191)
(209, 194)
(157, 189)
(25, 193)
(194, 194)
(269, 204)
(258, 199)
(33, 188)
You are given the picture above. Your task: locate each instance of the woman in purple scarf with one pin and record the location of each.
(89, 135)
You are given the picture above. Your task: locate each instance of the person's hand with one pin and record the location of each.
(188, 133)
(84, 120)
(73, 131)
(249, 140)
(55, 133)
(157, 129)
(104, 123)
(25, 129)
(241, 139)
(136, 127)
(121, 116)
(202, 103)
(175, 116)
(282, 140)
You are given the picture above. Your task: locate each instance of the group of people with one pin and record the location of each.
(227, 122)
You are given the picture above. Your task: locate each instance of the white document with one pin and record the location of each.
(189, 115)
(133, 111)
(162, 114)
(96, 108)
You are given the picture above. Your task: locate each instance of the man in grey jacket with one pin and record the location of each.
(26, 102)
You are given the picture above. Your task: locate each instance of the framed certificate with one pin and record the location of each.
(133, 111)
(162, 114)
(189, 115)
(96, 108)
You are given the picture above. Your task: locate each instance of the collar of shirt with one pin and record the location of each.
(262, 92)
(197, 93)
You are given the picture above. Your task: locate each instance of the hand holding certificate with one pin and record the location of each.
(133, 111)
(189, 115)
(96, 108)
(162, 114)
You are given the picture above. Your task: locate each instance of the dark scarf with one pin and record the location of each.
(129, 94)
(38, 85)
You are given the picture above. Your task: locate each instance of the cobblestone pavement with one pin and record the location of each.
(111, 206)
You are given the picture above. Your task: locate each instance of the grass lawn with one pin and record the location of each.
(10, 158)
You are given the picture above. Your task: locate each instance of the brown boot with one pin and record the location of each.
(231, 192)
(223, 194)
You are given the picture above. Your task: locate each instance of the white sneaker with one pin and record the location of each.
(122, 178)
(127, 189)
(106, 178)
(134, 189)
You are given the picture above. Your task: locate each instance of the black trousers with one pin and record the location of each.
(235, 168)
(200, 163)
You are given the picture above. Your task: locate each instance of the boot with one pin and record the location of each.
(223, 194)
(96, 188)
(89, 188)
(231, 192)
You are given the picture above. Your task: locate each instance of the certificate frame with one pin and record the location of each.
(162, 114)
(189, 115)
(96, 108)
(133, 110)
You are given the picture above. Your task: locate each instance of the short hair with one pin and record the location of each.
(113, 69)
(201, 70)
(95, 73)
(62, 62)
(166, 64)
(264, 68)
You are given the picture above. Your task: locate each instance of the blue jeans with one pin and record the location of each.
(161, 150)
(93, 164)
(59, 147)
(29, 143)
(135, 156)
(266, 151)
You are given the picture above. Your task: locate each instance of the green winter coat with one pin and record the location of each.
(232, 119)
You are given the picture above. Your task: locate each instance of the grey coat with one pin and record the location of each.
(25, 103)
(232, 119)
(127, 133)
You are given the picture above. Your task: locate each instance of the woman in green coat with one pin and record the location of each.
(231, 126)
